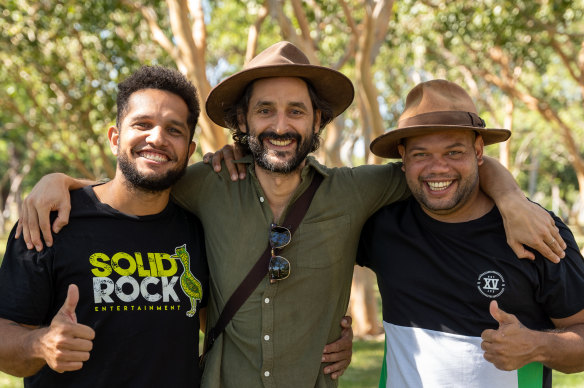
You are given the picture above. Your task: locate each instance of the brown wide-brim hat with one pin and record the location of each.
(431, 107)
(282, 59)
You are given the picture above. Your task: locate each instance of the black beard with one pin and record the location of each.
(260, 153)
(148, 184)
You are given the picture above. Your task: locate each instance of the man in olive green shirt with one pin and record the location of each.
(277, 105)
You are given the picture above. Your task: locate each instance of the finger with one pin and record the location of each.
(343, 355)
(70, 304)
(346, 322)
(34, 229)
(44, 225)
(241, 170)
(228, 157)
(488, 335)
(62, 219)
(336, 369)
(25, 230)
(547, 252)
(520, 250)
(338, 374)
(501, 316)
(557, 244)
(68, 366)
(345, 343)
(80, 345)
(216, 162)
(207, 157)
(18, 228)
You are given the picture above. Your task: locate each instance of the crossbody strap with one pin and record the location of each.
(256, 274)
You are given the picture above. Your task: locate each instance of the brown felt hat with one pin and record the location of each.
(282, 59)
(434, 106)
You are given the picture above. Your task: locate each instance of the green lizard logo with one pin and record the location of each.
(188, 282)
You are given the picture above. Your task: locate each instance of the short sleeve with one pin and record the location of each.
(25, 283)
(563, 286)
(380, 185)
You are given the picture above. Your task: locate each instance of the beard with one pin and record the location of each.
(449, 205)
(149, 184)
(262, 156)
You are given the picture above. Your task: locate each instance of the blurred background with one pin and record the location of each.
(522, 61)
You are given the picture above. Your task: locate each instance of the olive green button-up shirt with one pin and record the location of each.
(277, 337)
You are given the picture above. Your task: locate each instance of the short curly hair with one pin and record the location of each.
(242, 106)
(162, 78)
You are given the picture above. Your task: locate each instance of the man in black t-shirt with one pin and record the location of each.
(459, 309)
(115, 301)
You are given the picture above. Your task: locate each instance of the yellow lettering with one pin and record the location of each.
(152, 262)
(116, 264)
(96, 309)
(104, 308)
(160, 265)
(142, 272)
(172, 307)
(151, 308)
(125, 308)
(102, 269)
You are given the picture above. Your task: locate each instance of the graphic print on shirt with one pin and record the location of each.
(491, 284)
(190, 285)
(128, 282)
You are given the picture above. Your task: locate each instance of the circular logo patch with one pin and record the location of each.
(491, 284)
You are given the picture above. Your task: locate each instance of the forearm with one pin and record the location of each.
(498, 183)
(563, 350)
(72, 183)
(19, 355)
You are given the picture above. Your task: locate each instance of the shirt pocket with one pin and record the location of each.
(320, 244)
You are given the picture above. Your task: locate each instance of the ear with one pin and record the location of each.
(402, 152)
(479, 147)
(192, 148)
(113, 134)
(317, 117)
(241, 121)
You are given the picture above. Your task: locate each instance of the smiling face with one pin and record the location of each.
(442, 171)
(281, 123)
(153, 144)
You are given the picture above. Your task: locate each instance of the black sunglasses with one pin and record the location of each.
(279, 267)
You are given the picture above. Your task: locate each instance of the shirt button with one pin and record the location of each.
(267, 337)
(267, 300)
(262, 200)
(267, 373)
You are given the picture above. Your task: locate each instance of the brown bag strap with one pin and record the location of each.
(259, 270)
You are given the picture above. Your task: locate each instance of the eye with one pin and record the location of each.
(141, 125)
(454, 153)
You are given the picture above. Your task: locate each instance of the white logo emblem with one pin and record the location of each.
(491, 284)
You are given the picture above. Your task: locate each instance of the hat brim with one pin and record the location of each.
(332, 86)
(386, 145)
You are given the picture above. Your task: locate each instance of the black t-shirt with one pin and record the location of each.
(441, 277)
(141, 280)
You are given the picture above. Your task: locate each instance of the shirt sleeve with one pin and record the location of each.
(380, 185)
(25, 283)
(563, 285)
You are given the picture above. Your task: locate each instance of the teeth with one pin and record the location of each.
(154, 156)
(280, 143)
(436, 186)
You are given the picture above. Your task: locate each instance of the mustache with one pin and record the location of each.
(275, 136)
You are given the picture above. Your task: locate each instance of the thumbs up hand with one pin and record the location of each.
(512, 345)
(66, 344)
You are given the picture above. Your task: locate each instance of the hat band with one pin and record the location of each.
(466, 119)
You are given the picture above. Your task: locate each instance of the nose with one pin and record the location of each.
(156, 136)
(438, 164)
(281, 124)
